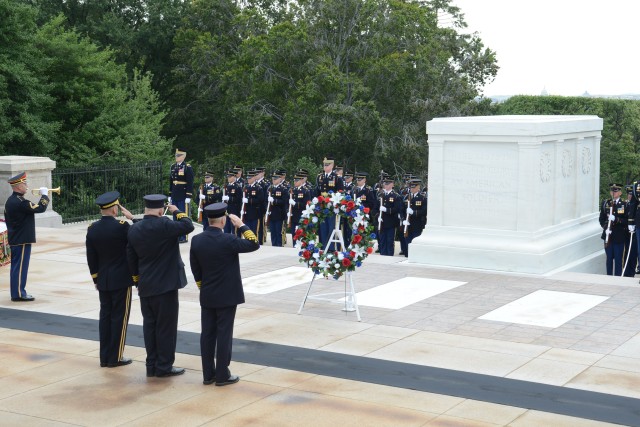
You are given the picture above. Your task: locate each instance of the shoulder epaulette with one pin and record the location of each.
(188, 164)
(122, 221)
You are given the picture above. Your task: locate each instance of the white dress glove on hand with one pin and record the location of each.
(245, 200)
(44, 191)
(292, 202)
(169, 200)
(632, 228)
(202, 197)
(410, 211)
(608, 231)
(405, 222)
(199, 211)
(225, 198)
(612, 217)
(270, 199)
(383, 209)
(187, 201)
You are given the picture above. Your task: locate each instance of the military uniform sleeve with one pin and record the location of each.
(132, 260)
(604, 213)
(196, 269)
(249, 243)
(27, 206)
(182, 226)
(92, 259)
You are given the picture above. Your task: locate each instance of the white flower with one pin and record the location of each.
(308, 211)
(359, 250)
(316, 255)
(343, 208)
(314, 201)
(312, 242)
(336, 211)
(340, 256)
(329, 256)
(336, 198)
(314, 219)
(336, 265)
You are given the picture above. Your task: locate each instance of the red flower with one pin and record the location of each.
(352, 254)
(361, 228)
(356, 239)
(369, 250)
(350, 205)
(346, 262)
(299, 232)
(306, 254)
(343, 202)
(366, 210)
(305, 222)
(320, 199)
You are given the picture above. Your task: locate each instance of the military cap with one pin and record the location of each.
(154, 201)
(629, 189)
(230, 173)
(216, 210)
(339, 167)
(303, 172)
(615, 186)
(180, 152)
(387, 180)
(20, 178)
(237, 168)
(414, 182)
(328, 159)
(297, 177)
(361, 175)
(108, 200)
(281, 171)
(260, 169)
(251, 173)
(208, 174)
(277, 174)
(348, 174)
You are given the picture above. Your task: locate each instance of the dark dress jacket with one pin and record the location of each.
(393, 203)
(619, 230)
(216, 266)
(107, 254)
(153, 254)
(19, 215)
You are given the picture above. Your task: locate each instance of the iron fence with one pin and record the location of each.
(81, 186)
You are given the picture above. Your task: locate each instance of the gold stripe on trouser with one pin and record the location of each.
(125, 322)
(258, 230)
(186, 210)
(284, 233)
(20, 272)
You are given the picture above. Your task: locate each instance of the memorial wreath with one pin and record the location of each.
(334, 263)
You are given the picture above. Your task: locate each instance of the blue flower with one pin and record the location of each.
(358, 263)
(300, 253)
(372, 235)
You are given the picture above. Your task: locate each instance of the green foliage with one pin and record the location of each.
(620, 144)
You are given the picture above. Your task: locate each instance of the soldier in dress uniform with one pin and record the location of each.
(278, 202)
(327, 181)
(209, 194)
(233, 197)
(304, 173)
(21, 230)
(416, 212)
(264, 184)
(107, 259)
(154, 261)
(614, 223)
(220, 286)
(390, 209)
(365, 193)
(631, 245)
(300, 196)
(348, 191)
(181, 185)
(238, 174)
(283, 173)
(253, 198)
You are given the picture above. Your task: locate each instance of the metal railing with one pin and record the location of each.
(81, 186)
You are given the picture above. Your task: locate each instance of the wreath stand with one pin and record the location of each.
(350, 301)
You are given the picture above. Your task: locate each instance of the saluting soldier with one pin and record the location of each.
(253, 198)
(278, 202)
(157, 268)
(614, 222)
(107, 259)
(417, 213)
(209, 194)
(233, 198)
(21, 229)
(327, 181)
(221, 290)
(181, 185)
(390, 208)
(300, 196)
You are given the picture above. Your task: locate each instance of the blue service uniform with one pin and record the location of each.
(212, 194)
(301, 196)
(614, 248)
(234, 192)
(21, 230)
(254, 207)
(417, 220)
(324, 184)
(390, 221)
(262, 228)
(181, 188)
(278, 212)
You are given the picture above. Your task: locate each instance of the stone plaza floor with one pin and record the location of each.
(435, 347)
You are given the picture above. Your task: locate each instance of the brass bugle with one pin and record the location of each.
(50, 190)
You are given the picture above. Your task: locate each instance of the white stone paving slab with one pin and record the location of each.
(549, 309)
(403, 292)
(277, 280)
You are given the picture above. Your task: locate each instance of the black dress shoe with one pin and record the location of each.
(103, 364)
(24, 298)
(208, 382)
(172, 373)
(232, 380)
(121, 362)
(151, 371)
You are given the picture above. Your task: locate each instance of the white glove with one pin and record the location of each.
(44, 191)
(383, 209)
(225, 198)
(612, 217)
(245, 200)
(292, 202)
(632, 228)
(405, 222)
(187, 201)
(169, 199)
(202, 197)
(410, 211)
(270, 199)
(608, 231)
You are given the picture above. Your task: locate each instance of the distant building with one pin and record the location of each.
(544, 92)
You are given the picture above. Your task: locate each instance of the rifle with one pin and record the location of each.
(608, 232)
(406, 227)
(244, 194)
(380, 216)
(267, 215)
(200, 206)
(290, 208)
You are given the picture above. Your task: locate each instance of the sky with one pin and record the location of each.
(564, 46)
